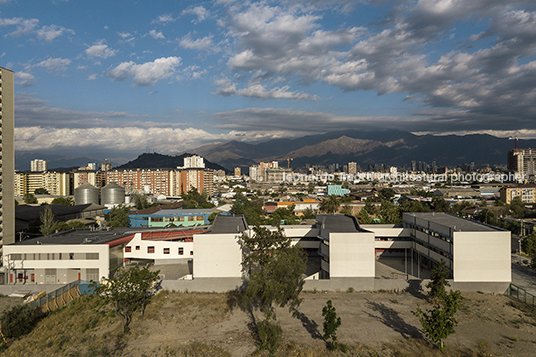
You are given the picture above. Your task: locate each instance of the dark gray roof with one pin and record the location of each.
(81, 236)
(30, 213)
(229, 224)
(457, 223)
(338, 223)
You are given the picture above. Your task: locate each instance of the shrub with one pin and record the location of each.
(331, 324)
(270, 335)
(16, 321)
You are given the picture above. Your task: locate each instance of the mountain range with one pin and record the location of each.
(390, 147)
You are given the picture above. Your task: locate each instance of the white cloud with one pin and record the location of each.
(157, 35)
(124, 35)
(24, 79)
(92, 77)
(164, 19)
(49, 33)
(146, 74)
(24, 26)
(198, 11)
(54, 64)
(99, 49)
(201, 44)
(257, 90)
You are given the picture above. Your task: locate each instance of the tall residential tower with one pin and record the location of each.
(7, 157)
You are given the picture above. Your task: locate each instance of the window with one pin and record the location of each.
(157, 219)
(181, 251)
(16, 256)
(150, 249)
(166, 250)
(71, 256)
(92, 256)
(33, 277)
(92, 274)
(191, 252)
(128, 249)
(137, 247)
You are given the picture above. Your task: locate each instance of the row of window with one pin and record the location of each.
(151, 250)
(175, 219)
(55, 256)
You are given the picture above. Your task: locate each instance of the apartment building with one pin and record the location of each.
(56, 183)
(38, 165)
(7, 156)
(527, 193)
(522, 162)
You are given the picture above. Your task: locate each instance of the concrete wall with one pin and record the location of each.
(351, 255)
(482, 257)
(217, 256)
(218, 285)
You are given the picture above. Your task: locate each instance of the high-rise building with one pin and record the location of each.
(7, 156)
(523, 163)
(194, 162)
(352, 168)
(237, 172)
(38, 165)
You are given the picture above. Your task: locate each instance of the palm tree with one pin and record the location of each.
(331, 204)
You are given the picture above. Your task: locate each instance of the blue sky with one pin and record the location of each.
(111, 78)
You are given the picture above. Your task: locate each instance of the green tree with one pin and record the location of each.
(389, 213)
(439, 322)
(41, 191)
(66, 201)
(331, 204)
(363, 217)
(283, 216)
(118, 217)
(252, 210)
(439, 204)
(308, 213)
(194, 199)
(16, 321)
(274, 270)
(438, 282)
(331, 324)
(387, 193)
(528, 244)
(29, 198)
(141, 201)
(65, 226)
(48, 224)
(128, 290)
(517, 207)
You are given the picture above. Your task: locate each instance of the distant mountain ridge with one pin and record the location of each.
(160, 161)
(390, 147)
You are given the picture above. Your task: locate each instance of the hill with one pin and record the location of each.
(160, 161)
(390, 147)
(210, 324)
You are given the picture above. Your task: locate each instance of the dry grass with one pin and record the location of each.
(204, 324)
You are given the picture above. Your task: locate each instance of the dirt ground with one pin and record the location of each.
(373, 324)
(371, 319)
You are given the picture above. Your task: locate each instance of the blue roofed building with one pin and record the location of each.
(337, 190)
(171, 217)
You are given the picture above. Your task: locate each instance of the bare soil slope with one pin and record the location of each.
(195, 324)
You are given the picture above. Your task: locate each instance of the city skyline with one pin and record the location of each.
(172, 76)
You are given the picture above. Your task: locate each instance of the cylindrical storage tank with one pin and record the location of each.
(112, 194)
(86, 193)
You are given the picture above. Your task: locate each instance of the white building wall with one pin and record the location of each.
(159, 248)
(351, 255)
(482, 256)
(217, 256)
(79, 260)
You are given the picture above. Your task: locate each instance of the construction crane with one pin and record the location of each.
(289, 159)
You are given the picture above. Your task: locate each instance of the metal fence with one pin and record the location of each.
(61, 296)
(522, 295)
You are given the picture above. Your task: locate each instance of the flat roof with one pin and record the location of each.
(88, 236)
(339, 223)
(229, 224)
(457, 223)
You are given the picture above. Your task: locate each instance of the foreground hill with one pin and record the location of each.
(390, 147)
(195, 324)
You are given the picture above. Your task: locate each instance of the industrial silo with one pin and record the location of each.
(112, 194)
(86, 193)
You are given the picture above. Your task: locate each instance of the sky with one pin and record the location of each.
(118, 78)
